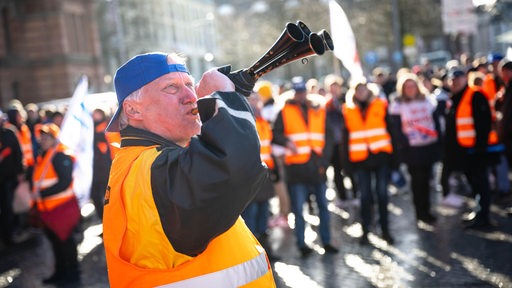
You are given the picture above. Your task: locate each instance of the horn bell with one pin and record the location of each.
(291, 35)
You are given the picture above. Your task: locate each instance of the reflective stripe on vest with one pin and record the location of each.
(25, 140)
(235, 276)
(26, 145)
(306, 137)
(50, 178)
(368, 134)
(465, 126)
(265, 134)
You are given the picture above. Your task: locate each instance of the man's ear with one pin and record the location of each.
(132, 110)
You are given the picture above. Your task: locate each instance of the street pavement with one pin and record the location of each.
(423, 255)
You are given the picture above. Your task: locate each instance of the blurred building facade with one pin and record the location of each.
(45, 46)
(131, 27)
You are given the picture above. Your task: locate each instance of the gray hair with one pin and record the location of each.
(135, 96)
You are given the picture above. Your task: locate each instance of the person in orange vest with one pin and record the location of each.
(504, 108)
(370, 150)
(256, 214)
(468, 126)
(16, 123)
(11, 174)
(269, 112)
(185, 171)
(493, 82)
(498, 171)
(101, 161)
(301, 127)
(33, 122)
(335, 98)
(53, 182)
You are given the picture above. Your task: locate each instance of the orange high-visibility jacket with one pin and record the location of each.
(114, 140)
(25, 139)
(466, 134)
(103, 146)
(489, 88)
(265, 134)
(49, 179)
(369, 134)
(172, 213)
(307, 137)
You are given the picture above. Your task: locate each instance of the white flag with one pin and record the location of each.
(77, 132)
(344, 41)
(509, 53)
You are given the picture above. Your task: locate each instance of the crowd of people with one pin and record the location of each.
(32, 155)
(176, 171)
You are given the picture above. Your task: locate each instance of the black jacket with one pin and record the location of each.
(11, 159)
(505, 124)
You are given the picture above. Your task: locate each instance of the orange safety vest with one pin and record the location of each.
(37, 130)
(369, 134)
(489, 88)
(307, 137)
(49, 179)
(24, 138)
(232, 259)
(103, 146)
(265, 134)
(466, 134)
(114, 140)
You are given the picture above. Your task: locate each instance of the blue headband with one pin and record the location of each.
(178, 68)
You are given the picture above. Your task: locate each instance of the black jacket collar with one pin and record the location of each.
(131, 136)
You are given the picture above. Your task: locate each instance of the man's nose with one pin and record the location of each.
(189, 95)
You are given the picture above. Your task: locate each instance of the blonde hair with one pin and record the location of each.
(422, 91)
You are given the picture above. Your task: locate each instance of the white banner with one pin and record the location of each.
(77, 133)
(459, 17)
(344, 41)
